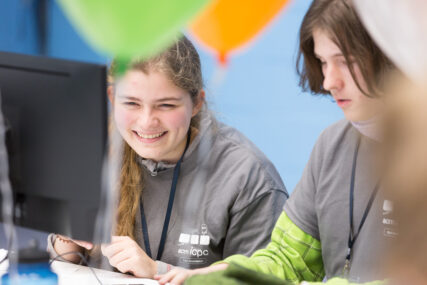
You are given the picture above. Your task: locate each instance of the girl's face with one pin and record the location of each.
(153, 115)
(339, 82)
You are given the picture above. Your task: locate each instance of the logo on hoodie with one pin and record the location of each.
(193, 247)
(388, 221)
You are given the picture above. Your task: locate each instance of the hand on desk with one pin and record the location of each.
(64, 245)
(178, 275)
(125, 254)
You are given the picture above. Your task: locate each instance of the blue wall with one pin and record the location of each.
(17, 26)
(259, 94)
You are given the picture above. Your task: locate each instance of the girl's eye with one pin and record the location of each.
(167, 106)
(130, 103)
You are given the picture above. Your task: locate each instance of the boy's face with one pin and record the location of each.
(339, 82)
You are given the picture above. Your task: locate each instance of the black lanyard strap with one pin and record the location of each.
(176, 171)
(352, 237)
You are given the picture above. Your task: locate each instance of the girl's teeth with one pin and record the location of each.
(149, 136)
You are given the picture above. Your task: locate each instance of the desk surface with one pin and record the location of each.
(71, 274)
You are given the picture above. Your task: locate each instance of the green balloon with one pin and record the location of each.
(129, 28)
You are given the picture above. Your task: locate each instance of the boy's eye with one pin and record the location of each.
(322, 62)
(343, 62)
(323, 65)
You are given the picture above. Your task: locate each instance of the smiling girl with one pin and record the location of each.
(193, 190)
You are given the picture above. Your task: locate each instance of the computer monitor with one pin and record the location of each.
(56, 116)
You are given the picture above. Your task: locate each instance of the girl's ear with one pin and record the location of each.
(110, 93)
(199, 104)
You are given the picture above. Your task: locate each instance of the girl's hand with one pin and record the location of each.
(125, 254)
(64, 246)
(178, 275)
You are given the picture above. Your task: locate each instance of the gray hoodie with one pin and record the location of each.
(228, 198)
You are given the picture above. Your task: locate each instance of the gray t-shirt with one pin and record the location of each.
(228, 198)
(319, 204)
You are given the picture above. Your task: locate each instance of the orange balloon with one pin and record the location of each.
(228, 24)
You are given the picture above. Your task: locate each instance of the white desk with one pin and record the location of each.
(71, 274)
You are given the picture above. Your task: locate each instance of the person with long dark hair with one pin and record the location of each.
(335, 222)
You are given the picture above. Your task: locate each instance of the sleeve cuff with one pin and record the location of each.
(163, 267)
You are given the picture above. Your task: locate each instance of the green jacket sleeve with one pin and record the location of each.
(341, 281)
(292, 254)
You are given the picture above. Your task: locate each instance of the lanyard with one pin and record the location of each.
(352, 237)
(168, 212)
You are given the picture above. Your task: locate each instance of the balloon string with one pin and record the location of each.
(218, 77)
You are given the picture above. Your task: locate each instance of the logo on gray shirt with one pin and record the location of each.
(193, 247)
